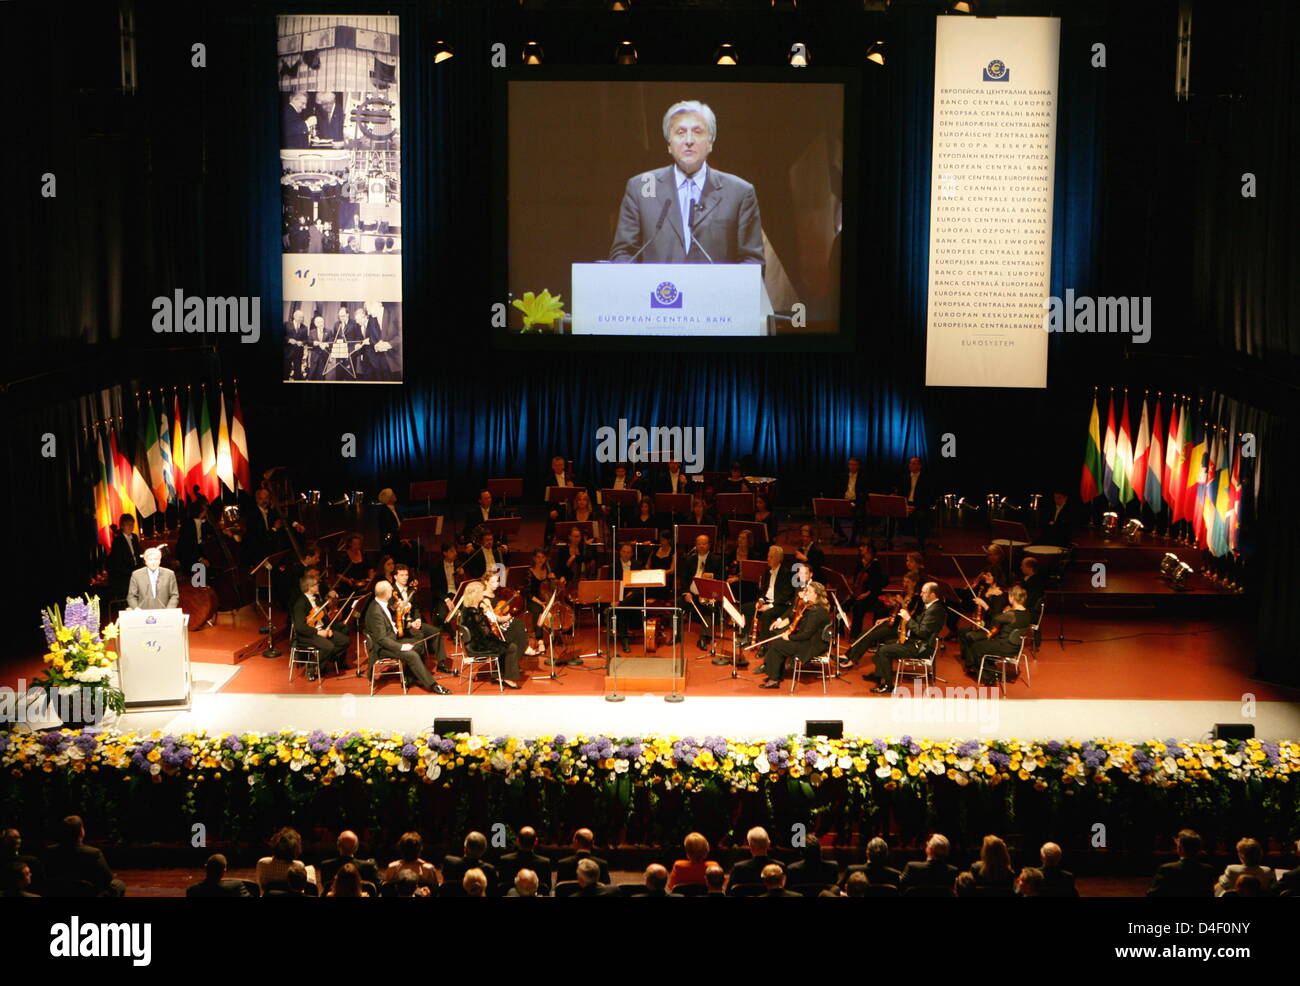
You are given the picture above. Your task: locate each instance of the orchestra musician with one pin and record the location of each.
(381, 629)
(196, 533)
(413, 626)
(646, 515)
(483, 510)
(744, 551)
(559, 474)
(443, 583)
(1059, 529)
(541, 579)
(869, 583)
(990, 599)
(803, 637)
(314, 626)
(390, 526)
(485, 558)
(849, 486)
(666, 558)
(354, 571)
(920, 495)
(1011, 625)
(477, 615)
(763, 514)
(579, 510)
(1035, 584)
(672, 479)
(384, 569)
(919, 642)
(264, 532)
(124, 557)
(701, 563)
(995, 560)
(886, 627)
(152, 587)
(573, 563)
(734, 481)
(701, 513)
(624, 566)
(620, 479)
(809, 553)
(776, 595)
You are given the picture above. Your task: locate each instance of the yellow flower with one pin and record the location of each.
(539, 309)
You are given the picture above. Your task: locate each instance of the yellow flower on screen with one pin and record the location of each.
(539, 309)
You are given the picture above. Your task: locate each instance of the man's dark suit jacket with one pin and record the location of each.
(454, 869)
(475, 517)
(596, 890)
(726, 222)
(189, 543)
(815, 871)
(329, 869)
(222, 888)
(1184, 878)
(662, 481)
(381, 634)
(1057, 883)
(925, 495)
(782, 892)
(1289, 881)
(329, 128)
(567, 868)
(655, 893)
(715, 567)
(783, 594)
(922, 629)
(1060, 531)
(79, 862)
(751, 870)
(877, 875)
(512, 862)
(293, 129)
(928, 873)
(124, 559)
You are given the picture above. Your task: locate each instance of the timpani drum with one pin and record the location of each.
(1049, 557)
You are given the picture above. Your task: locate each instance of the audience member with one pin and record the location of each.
(454, 868)
(214, 883)
(656, 882)
(876, 868)
(286, 849)
(1188, 876)
(1250, 854)
(773, 878)
(691, 870)
(751, 870)
(1057, 881)
(71, 861)
(474, 882)
(935, 871)
(526, 857)
(587, 871)
(1030, 882)
(992, 871)
(295, 882)
(409, 863)
(526, 884)
(347, 845)
(811, 868)
(567, 868)
(347, 882)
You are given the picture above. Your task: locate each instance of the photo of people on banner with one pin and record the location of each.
(343, 341)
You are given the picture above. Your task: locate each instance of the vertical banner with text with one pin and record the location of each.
(991, 180)
(341, 198)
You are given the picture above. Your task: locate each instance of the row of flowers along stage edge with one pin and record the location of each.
(675, 763)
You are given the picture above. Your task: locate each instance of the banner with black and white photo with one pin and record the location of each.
(991, 175)
(341, 198)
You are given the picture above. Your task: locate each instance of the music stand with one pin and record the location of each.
(550, 640)
(734, 504)
(687, 533)
(833, 655)
(428, 490)
(892, 508)
(419, 528)
(504, 489)
(757, 531)
(829, 507)
(563, 527)
(618, 499)
(562, 494)
(268, 564)
(673, 503)
(593, 592)
(718, 592)
(361, 597)
(503, 528)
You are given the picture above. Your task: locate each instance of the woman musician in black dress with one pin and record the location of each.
(989, 599)
(868, 584)
(355, 572)
(573, 563)
(744, 552)
(803, 634)
(886, 629)
(1008, 627)
(486, 636)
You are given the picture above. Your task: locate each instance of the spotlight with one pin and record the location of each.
(726, 55)
(785, 4)
(625, 53)
(964, 7)
(1181, 575)
(799, 56)
(1109, 524)
(1169, 564)
(442, 52)
(620, 6)
(533, 53)
(876, 53)
(1132, 532)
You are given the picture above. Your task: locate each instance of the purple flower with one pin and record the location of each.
(318, 742)
(810, 757)
(1053, 747)
(970, 748)
(47, 626)
(998, 759)
(447, 746)
(4, 743)
(86, 742)
(559, 741)
(408, 751)
(74, 614)
(233, 744)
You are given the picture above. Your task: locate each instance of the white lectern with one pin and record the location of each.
(154, 657)
(670, 300)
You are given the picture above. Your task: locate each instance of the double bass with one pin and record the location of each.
(232, 583)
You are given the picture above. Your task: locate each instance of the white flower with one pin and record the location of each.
(499, 761)
(937, 767)
(845, 762)
(1234, 759)
(339, 769)
(155, 769)
(761, 764)
(620, 766)
(434, 772)
(891, 756)
(965, 763)
(884, 771)
(474, 744)
(1169, 765)
(1207, 760)
(403, 766)
(1028, 765)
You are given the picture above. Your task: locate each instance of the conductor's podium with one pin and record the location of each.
(646, 668)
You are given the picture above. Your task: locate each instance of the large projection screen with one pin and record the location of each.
(992, 169)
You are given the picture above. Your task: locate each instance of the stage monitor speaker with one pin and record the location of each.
(444, 726)
(830, 728)
(1233, 731)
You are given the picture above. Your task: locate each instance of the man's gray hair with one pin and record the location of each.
(151, 551)
(691, 106)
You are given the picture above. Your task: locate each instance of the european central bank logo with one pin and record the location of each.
(997, 71)
(666, 295)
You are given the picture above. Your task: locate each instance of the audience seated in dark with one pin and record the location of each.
(215, 884)
(70, 862)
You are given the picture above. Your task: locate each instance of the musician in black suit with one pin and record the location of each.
(414, 628)
(672, 479)
(264, 530)
(774, 598)
(935, 871)
(215, 884)
(442, 582)
(700, 563)
(920, 494)
(1035, 584)
(124, 557)
(454, 868)
(886, 627)
(196, 533)
(921, 634)
(567, 868)
(1060, 522)
(1189, 875)
(390, 528)
(330, 638)
(804, 640)
(850, 485)
(485, 558)
(869, 581)
(481, 511)
(809, 552)
(526, 858)
(384, 641)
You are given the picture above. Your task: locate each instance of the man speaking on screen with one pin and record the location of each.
(687, 212)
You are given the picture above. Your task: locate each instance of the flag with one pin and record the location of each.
(1109, 486)
(1151, 484)
(239, 447)
(1206, 496)
(1185, 474)
(110, 481)
(141, 492)
(1173, 452)
(154, 444)
(103, 504)
(208, 464)
(165, 450)
(1234, 496)
(1090, 482)
(1141, 450)
(121, 477)
(225, 468)
(1195, 484)
(1124, 457)
(1219, 543)
(193, 457)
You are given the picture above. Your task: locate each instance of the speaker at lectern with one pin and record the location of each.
(154, 657)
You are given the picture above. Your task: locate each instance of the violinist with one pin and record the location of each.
(1007, 628)
(381, 629)
(484, 559)
(886, 628)
(354, 571)
(701, 563)
(443, 578)
(743, 552)
(918, 640)
(990, 599)
(311, 614)
(584, 511)
(645, 513)
(384, 570)
(480, 512)
(868, 583)
(409, 620)
(485, 635)
(803, 636)
(776, 594)
(501, 598)
(809, 553)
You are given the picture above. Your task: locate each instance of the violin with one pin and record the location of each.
(402, 608)
(491, 615)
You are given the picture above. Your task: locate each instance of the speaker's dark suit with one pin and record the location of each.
(727, 228)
